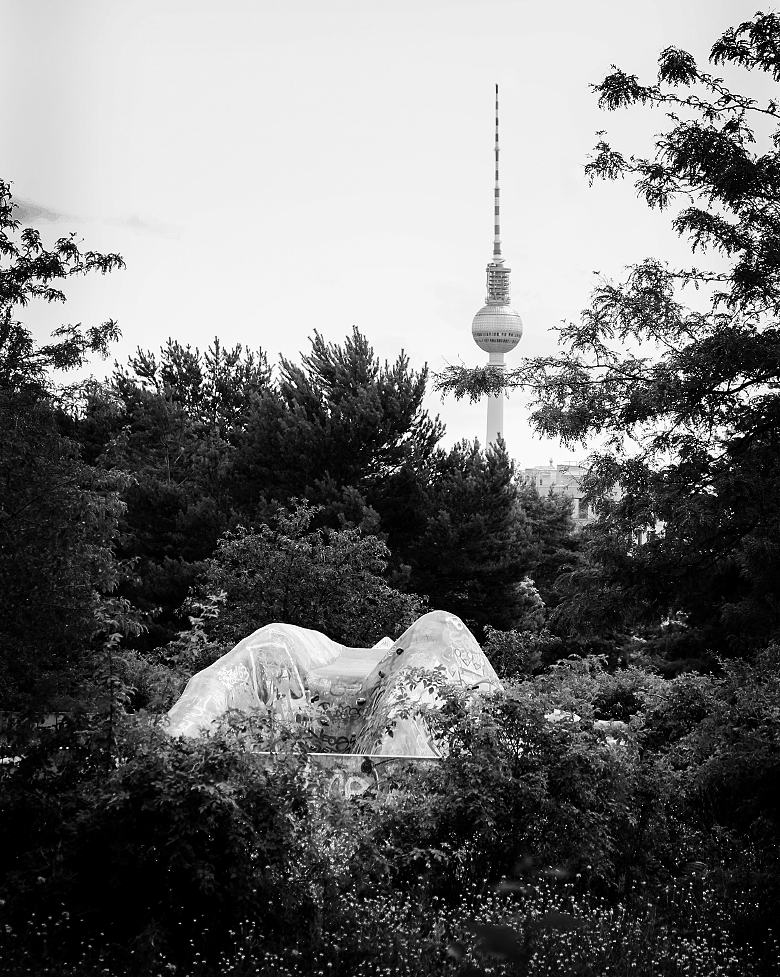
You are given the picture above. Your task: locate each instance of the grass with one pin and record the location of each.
(680, 932)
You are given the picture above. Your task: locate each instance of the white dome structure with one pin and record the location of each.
(497, 328)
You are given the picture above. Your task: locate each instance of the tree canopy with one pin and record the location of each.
(684, 397)
(59, 516)
(328, 580)
(339, 418)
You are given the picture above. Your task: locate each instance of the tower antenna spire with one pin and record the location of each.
(497, 201)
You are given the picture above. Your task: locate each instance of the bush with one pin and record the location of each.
(165, 850)
(141, 854)
(514, 783)
(623, 694)
(519, 654)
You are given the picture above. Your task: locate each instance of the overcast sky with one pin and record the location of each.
(273, 167)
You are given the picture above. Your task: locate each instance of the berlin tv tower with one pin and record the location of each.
(497, 328)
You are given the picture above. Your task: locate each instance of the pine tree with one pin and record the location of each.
(339, 419)
(476, 545)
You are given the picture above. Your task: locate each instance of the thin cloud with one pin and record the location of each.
(158, 228)
(28, 212)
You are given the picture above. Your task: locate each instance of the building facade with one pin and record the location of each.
(563, 480)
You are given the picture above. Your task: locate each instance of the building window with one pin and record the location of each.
(582, 509)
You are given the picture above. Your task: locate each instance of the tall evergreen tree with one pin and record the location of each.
(482, 535)
(339, 419)
(172, 419)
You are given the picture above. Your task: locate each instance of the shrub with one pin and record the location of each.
(519, 654)
(625, 693)
(513, 782)
(167, 849)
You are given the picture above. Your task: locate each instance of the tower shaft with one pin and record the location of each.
(495, 407)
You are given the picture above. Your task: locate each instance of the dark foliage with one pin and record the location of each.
(479, 532)
(59, 516)
(329, 580)
(165, 851)
(339, 419)
(203, 856)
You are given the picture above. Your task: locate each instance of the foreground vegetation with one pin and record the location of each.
(637, 833)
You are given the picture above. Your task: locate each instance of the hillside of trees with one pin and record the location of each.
(614, 811)
(121, 497)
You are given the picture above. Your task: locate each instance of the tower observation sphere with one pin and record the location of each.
(497, 327)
